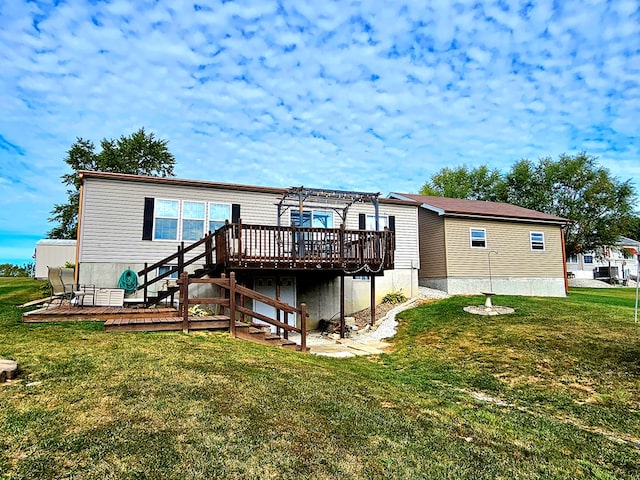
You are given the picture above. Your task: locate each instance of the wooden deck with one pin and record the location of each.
(123, 319)
(67, 313)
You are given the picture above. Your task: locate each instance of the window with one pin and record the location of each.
(166, 220)
(588, 259)
(165, 269)
(218, 214)
(383, 222)
(362, 277)
(537, 240)
(572, 258)
(312, 218)
(478, 237)
(192, 220)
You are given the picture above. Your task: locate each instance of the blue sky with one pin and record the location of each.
(364, 95)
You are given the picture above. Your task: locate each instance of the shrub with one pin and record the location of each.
(394, 297)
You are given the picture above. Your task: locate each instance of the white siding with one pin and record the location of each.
(406, 229)
(112, 217)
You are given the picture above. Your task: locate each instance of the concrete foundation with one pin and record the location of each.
(532, 287)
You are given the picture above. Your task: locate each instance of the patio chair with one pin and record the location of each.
(78, 292)
(59, 291)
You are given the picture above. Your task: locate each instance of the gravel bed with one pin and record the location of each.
(588, 283)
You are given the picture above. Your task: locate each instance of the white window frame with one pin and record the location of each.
(312, 211)
(573, 259)
(183, 218)
(533, 242)
(383, 222)
(156, 217)
(208, 213)
(584, 259)
(477, 229)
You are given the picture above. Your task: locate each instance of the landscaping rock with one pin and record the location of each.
(8, 369)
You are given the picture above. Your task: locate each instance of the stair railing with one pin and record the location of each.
(182, 261)
(234, 306)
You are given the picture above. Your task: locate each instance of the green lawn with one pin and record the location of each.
(552, 391)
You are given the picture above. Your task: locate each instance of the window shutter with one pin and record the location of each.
(362, 221)
(147, 222)
(235, 212)
(392, 223)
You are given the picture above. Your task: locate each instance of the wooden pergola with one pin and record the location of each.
(338, 201)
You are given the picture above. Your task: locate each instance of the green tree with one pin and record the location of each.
(12, 270)
(139, 153)
(599, 205)
(479, 183)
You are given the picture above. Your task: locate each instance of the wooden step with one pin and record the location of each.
(264, 337)
(133, 324)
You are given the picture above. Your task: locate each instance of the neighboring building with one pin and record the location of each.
(289, 241)
(53, 253)
(621, 258)
(469, 247)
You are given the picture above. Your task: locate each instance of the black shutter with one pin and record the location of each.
(235, 213)
(147, 222)
(392, 223)
(362, 221)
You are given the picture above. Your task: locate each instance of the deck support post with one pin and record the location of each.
(303, 327)
(278, 292)
(342, 322)
(373, 300)
(232, 304)
(184, 300)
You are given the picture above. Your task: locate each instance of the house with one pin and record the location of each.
(333, 250)
(619, 261)
(53, 253)
(469, 246)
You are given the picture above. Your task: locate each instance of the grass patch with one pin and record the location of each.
(555, 385)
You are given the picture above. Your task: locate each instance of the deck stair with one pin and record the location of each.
(254, 333)
(263, 335)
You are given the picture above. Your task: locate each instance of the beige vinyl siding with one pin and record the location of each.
(433, 259)
(511, 241)
(113, 210)
(406, 228)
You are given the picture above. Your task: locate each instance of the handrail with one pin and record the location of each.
(210, 247)
(230, 284)
(182, 251)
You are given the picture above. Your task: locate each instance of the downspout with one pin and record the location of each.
(76, 274)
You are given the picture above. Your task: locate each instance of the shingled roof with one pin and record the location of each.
(478, 208)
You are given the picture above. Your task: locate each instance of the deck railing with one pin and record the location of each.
(263, 246)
